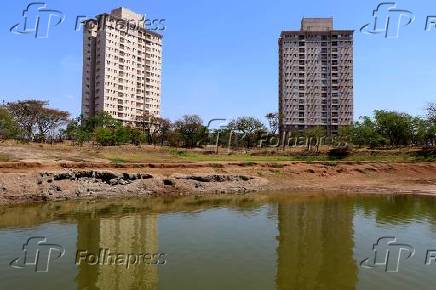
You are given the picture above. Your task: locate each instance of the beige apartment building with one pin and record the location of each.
(315, 77)
(122, 64)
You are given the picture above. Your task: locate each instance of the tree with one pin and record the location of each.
(145, 122)
(345, 134)
(49, 119)
(34, 115)
(101, 120)
(431, 113)
(77, 132)
(161, 129)
(364, 132)
(8, 127)
(190, 129)
(273, 122)
(314, 133)
(249, 127)
(136, 136)
(25, 114)
(431, 117)
(122, 135)
(104, 136)
(105, 130)
(395, 126)
(420, 131)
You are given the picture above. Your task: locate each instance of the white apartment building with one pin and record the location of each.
(315, 77)
(122, 65)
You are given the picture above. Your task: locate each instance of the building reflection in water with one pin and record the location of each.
(315, 249)
(131, 234)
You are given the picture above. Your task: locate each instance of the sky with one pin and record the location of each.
(220, 58)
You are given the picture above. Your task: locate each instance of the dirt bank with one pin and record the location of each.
(23, 182)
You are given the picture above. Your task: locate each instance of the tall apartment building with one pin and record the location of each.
(315, 77)
(122, 63)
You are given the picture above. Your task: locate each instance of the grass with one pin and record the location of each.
(117, 160)
(198, 157)
(124, 154)
(195, 157)
(150, 154)
(5, 158)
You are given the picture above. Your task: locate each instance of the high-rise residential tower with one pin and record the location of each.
(315, 77)
(121, 67)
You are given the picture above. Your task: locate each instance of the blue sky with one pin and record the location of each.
(220, 57)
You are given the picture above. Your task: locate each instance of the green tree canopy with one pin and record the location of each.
(191, 130)
(249, 127)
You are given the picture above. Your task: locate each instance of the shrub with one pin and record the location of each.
(428, 151)
(122, 135)
(137, 137)
(104, 137)
(340, 152)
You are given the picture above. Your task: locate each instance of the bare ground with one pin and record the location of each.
(39, 180)
(37, 173)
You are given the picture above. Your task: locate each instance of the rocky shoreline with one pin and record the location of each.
(92, 184)
(52, 182)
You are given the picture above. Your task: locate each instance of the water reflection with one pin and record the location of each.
(315, 248)
(398, 209)
(257, 242)
(130, 234)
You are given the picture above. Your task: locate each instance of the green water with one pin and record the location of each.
(278, 241)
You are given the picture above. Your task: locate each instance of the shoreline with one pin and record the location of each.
(33, 182)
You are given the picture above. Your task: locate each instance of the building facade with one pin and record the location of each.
(122, 64)
(315, 77)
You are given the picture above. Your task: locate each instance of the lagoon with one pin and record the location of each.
(259, 241)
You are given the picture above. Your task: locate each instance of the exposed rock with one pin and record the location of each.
(85, 174)
(114, 181)
(145, 176)
(106, 176)
(128, 176)
(55, 188)
(169, 182)
(94, 184)
(216, 178)
(63, 176)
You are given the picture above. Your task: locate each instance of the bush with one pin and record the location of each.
(8, 127)
(122, 136)
(340, 152)
(81, 136)
(137, 137)
(428, 151)
(104, 137)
